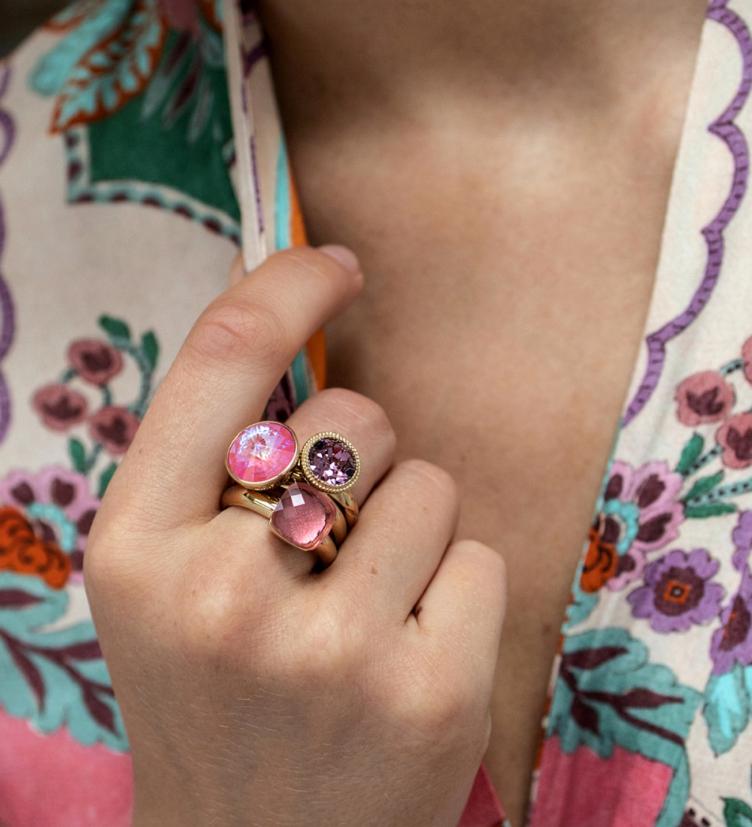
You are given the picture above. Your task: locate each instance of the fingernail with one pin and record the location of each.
(343, 255)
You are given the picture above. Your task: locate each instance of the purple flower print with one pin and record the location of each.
(678, 591)
(641, 513)
(742, 538)
(732, 642)
(58, 504)
(704, 398)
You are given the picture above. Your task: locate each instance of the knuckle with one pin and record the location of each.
(110, 572)
(236, 331)
(215, 621)
(351, 405)
(446, 707)
(440, 481)
(485, 559)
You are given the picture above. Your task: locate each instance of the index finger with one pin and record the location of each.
(221, 379)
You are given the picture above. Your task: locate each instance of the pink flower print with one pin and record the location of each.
(59, 406)
(704, 398)
(115, 427)
(95, 360)
(731, 644)
(643, 505)
(735, 437)
(747, 358)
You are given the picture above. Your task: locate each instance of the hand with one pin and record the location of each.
(255, 692)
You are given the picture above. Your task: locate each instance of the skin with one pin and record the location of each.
(506, 205)
(253, 690)
(502, 173)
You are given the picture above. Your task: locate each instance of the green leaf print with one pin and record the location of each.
(77, 454)
(105, 477)
(736, 813)
(150, 348)
(115, 328)
(704, 485)
(708, 510)
(690, 454)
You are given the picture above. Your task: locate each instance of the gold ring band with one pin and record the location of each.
(265, 505)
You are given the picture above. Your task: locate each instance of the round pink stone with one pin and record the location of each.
(261, 452)
(303, 516)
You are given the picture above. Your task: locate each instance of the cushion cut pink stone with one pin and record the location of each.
(261, 452)
(303, 516)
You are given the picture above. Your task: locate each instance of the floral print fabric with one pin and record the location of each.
(653, 680)
(140, 145)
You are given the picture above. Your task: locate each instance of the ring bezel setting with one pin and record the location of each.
(270, 448)
(330, 462)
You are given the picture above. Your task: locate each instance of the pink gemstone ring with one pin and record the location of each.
(301, 516)
(262, 455)
(304, 494)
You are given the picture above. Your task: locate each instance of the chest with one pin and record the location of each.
(499, 328)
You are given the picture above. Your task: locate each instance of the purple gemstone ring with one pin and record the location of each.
(330, 462)
(304, 494)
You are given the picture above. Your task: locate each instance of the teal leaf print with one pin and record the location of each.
(736, 813)
(54, 68)
(704, 485)
(690, 454)
(77, 453)
(581, 603)
(609, 694)
(114, 70)
(150, 348)
(116, 329)
(708, 510)
(53, 678)
(727, 707)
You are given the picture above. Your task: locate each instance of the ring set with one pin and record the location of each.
(304, 492)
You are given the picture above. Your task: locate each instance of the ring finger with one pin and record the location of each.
(357, 418)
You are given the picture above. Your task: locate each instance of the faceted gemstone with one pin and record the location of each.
(261, 452)
(303, 516)
(331, 461)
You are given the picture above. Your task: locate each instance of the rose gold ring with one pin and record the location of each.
(302, 516)
(305, 493)
(265, 455)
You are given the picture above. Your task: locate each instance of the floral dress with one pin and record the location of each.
(140, 147)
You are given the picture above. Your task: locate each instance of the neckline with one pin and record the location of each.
(258, 128)
(658, 332)
(662, 325)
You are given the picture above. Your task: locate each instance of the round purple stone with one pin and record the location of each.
(331, 461)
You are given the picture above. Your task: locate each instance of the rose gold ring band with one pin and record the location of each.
(266, 505)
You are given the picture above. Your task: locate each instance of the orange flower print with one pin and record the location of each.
(601, 562)
(22, 552)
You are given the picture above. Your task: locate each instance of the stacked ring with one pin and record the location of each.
(304, 493)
